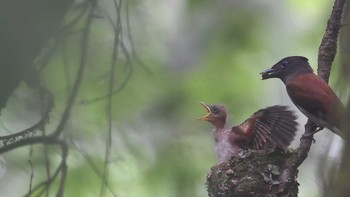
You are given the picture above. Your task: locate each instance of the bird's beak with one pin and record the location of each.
(268, 73)
(206, 117)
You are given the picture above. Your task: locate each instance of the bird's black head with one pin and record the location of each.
(286, 67)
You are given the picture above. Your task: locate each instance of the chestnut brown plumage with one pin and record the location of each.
(310, 93)
(267, 128)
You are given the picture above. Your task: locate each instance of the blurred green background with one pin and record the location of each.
(192, 51)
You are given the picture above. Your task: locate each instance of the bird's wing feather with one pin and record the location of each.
(316, 99)
(270, 127)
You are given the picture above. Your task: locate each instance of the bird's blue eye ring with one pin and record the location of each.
(284, 64)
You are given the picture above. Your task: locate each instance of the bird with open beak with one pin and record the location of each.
(310, 93)
(267, 128)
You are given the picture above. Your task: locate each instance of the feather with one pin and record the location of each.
(274, 126)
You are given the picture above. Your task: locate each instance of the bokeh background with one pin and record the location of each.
(180, 53)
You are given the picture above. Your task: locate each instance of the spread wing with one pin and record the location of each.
(317, 101)
(270, 127)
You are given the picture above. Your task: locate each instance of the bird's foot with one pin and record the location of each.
(308, 136)
(311, 134)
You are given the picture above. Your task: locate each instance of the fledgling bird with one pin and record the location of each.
(267, 128)
(310, 93)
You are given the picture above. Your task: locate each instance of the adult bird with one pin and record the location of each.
(310, 93)
(267, 128)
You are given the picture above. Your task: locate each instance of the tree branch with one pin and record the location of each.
(328, 47)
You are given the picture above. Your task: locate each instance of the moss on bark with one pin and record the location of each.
(255, 173)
